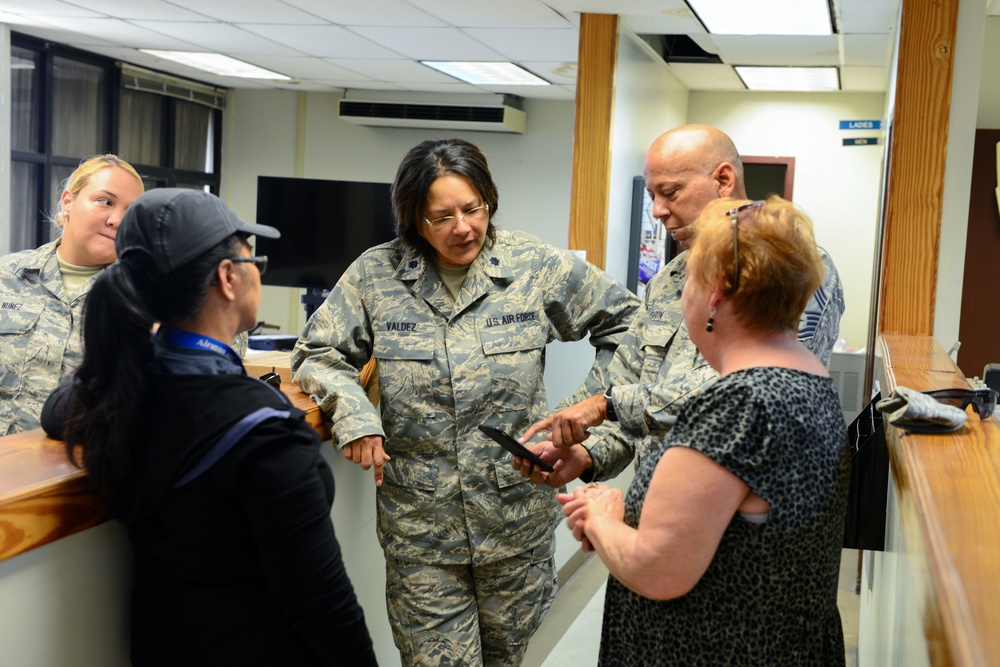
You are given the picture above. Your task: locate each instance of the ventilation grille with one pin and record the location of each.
(847, 371)
(148, 81)
(422, 112)
(486, 118)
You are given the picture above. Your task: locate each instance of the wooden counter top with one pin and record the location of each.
(948, 488)
(43, 497)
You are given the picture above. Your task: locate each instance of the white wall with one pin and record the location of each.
(965, 89)
(648, 101)
(988, 116)
(67, 602)
(838, 186)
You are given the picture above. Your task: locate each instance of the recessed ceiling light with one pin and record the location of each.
(487, 74)
(798, 79)
(764, 17)
(217, 64)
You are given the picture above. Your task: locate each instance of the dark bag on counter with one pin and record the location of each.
(866, 500)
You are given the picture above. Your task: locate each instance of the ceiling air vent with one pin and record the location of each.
(679, 49)
(497, 115)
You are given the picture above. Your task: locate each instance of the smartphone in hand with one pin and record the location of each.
(514, 447)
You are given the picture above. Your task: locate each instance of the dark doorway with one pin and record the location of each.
(766, 176)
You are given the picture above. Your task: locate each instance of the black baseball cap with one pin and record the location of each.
(175, 225)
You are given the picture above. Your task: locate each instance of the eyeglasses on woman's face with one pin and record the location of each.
(260, 262)
(447, 222)
(734, 217)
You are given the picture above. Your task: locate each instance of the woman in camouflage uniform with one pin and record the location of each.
(457, 314)
(42, 291)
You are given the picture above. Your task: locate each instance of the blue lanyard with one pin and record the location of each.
(198, 342)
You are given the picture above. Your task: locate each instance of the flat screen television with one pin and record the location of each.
(325, 225)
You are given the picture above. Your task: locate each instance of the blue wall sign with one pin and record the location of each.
(863, 141)
(861, 125)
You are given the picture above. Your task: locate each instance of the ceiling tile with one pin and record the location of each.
(219, 37)
(668, 18)
(424, 87)
(53, 34)
(430, 43)
(803, 51)
(322, 41)
(866, 16)
(867, 50)
(46, 7)
(563, 72)
(305, 67)
(119, 32)
(257, 11)
(505, 14)
(395, 71)
(538, 92)
(706, 76)
(520, 45)
(370, 13)
(622, 7)
(155, 10)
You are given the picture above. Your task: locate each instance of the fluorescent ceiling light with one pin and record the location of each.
(799, 79)
(764, 17)
(217, 64)
(487, 74)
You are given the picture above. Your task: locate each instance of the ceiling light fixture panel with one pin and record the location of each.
(790, 79)
(217, 64)
(764, 17)
(487, 73)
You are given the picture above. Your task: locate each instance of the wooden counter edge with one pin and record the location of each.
(55, 500)
(949, 627)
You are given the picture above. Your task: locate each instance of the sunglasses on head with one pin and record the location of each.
(734, 217)
(983, 401)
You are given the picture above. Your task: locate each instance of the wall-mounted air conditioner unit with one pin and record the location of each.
(847, 370)
(481, 113)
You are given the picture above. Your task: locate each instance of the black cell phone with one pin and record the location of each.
(514, 447)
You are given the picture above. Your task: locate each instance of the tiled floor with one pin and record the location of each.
(571, 632)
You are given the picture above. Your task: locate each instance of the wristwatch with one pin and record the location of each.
(612, 414)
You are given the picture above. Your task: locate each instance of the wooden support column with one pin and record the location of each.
(595, 94)
(918, 145)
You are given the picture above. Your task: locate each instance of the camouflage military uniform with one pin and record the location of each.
(40, 334)
(449, 495)
(657, 367)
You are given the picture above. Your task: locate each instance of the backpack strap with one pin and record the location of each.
(230, 438)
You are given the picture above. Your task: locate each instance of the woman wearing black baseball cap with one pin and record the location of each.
(217, 477)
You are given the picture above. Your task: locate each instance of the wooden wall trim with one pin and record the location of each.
(918, 142)
(595, 94)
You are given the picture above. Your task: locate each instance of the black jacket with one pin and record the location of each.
(239, 566)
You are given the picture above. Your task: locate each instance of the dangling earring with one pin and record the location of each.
(710, 327)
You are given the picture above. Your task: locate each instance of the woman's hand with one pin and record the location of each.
(588, 505)
(367, 451)
(567, 464)
(569, 426)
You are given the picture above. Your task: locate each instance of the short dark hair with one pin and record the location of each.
(425, 163)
